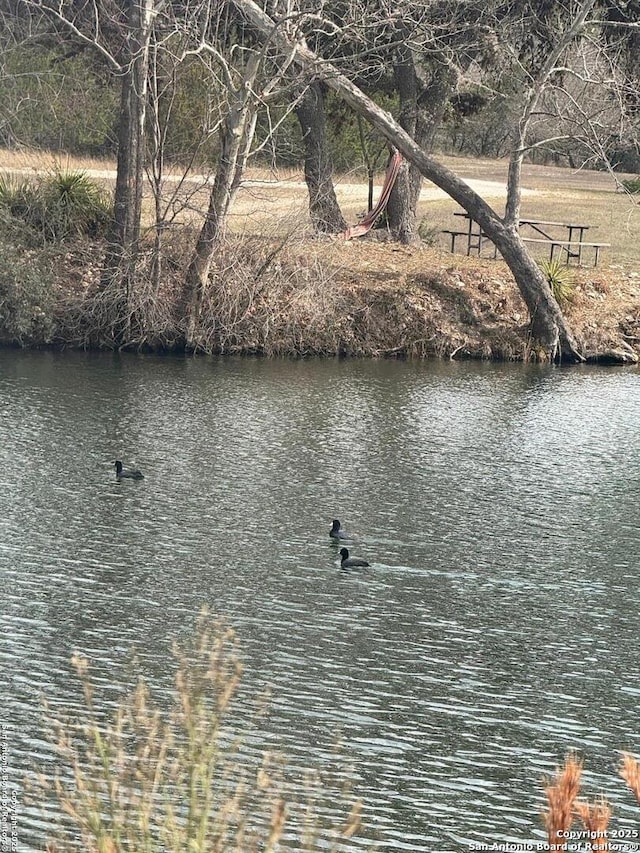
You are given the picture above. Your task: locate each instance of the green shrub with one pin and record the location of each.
(16, 196)
(71, 204)
(560, 279)
(632, 185)
(428, 233)
(59, 205)
(58, 99)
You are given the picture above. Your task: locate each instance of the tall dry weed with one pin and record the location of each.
(595, 820)
(147, 779)
(562, 792)
(630, 772)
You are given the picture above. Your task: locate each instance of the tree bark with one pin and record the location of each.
(549, 327)
(422, 105)
(224, 184)
(402, 208)
(124, 235)
(324, 210)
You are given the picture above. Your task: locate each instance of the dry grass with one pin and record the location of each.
(571, 821)
(148, 779)
(36, 162)
(595, 820)
(561, 793)
(297, 296)
(300, 297)
(560, 195)
(630, 772)
(270, 197)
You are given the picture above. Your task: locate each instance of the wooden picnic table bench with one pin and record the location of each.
(474, 237)
(571, 243)
(572, 248)
(571, 227)
(473, 240)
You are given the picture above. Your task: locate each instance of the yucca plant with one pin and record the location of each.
(60, 205)
(71, 203)
(16, 196)
(632, 185)
(561, 280)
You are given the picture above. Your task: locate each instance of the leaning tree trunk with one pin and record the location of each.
(548, 325)
(225, 182)
(324, 209)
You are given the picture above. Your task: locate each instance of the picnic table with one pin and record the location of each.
(565, 238)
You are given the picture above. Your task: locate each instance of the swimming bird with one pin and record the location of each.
(336, 532)
(348, 562)
(128, 473)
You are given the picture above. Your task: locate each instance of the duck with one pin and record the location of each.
(127, 473)
(348, 562)
(336, 532)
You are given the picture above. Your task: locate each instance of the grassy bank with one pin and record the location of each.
(276, 290)
(306, 297)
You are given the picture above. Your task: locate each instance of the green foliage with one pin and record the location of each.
(560, 279)
(16, 196)
(632, 185)
(188, 111)
(57, 102)
(429, 234)
(343, 133)
(26, 295)
(71, 204)
(481, 132)
(58, 206)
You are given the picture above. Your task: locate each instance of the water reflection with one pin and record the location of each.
(497, 504)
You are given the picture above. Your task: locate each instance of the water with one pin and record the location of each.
(495, 630)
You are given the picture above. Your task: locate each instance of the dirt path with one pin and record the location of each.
(348, 191)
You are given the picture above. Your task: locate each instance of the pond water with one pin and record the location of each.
(495, 630)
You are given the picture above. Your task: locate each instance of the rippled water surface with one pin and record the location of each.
(496, 628)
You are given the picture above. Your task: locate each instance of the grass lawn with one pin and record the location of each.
(272, 203)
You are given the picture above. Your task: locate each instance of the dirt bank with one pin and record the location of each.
(473, 306)
(327, 297)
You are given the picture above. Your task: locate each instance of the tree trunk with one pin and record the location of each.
(224, 184)
(402, 208)
(325, 213)
(421, 109)
(124, 235)
(548, 325)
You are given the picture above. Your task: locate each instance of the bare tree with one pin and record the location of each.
(123, 241)
(121, 37)
(250, 82)
(537, 86)
(416, 54)
(234, 130)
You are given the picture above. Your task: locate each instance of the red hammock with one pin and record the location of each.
(389, 180)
